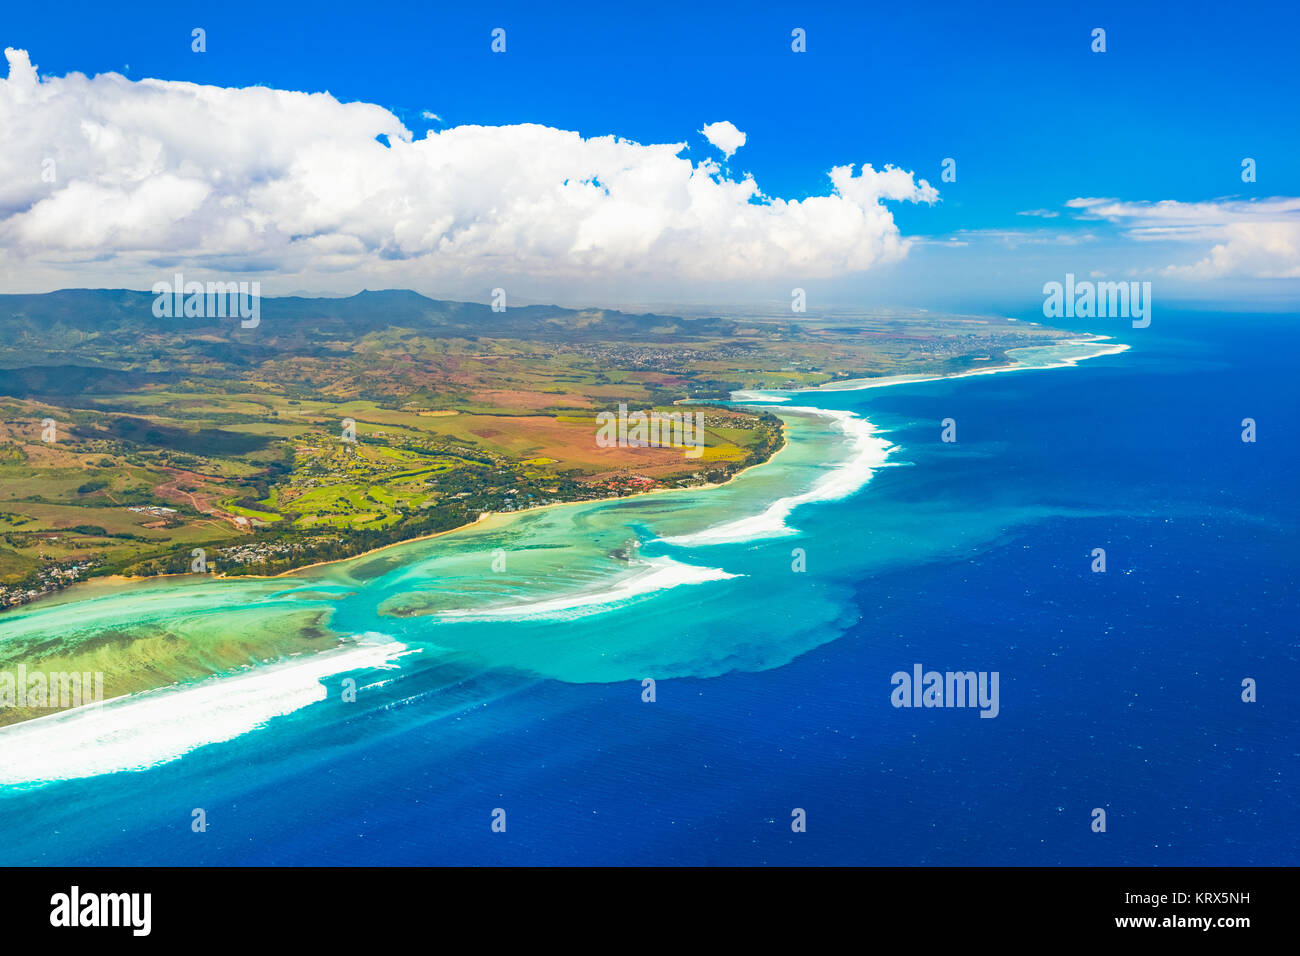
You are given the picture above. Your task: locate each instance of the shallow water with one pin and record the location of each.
(522, 688)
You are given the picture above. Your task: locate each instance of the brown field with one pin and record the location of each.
(529, 401)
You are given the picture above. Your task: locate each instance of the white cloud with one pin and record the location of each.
(724, 136)
(431, 116)
(1040, 213)
(1022, 237)
(1249, 238)
(153, 173)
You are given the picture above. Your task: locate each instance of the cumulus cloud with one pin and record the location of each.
(1249, 238)
(724, 136)
(160, 172)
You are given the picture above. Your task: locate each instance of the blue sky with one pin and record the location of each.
(1032, 117)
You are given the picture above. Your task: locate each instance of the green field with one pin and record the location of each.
(456, 411)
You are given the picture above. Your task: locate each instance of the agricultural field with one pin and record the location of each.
(126, 441)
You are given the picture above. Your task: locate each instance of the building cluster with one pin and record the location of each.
(49, 579)
(258, 552)
(657, 358)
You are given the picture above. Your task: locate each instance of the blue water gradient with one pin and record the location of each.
(1119, 690)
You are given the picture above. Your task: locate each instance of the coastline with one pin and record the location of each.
(109, 579)
(299, 668)
(739, 397)
(665, 572)
(510, 515)
(861, 384)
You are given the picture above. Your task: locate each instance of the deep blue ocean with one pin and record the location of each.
(1119, 690)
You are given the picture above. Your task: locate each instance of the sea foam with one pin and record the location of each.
(650, 575)
(867, 453)
(144, 730)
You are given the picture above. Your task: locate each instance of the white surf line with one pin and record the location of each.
(758, 395)
(856, 472)
(654, 574)
(861, 384)
(772, 522)
(869, 453)
(144, 730)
